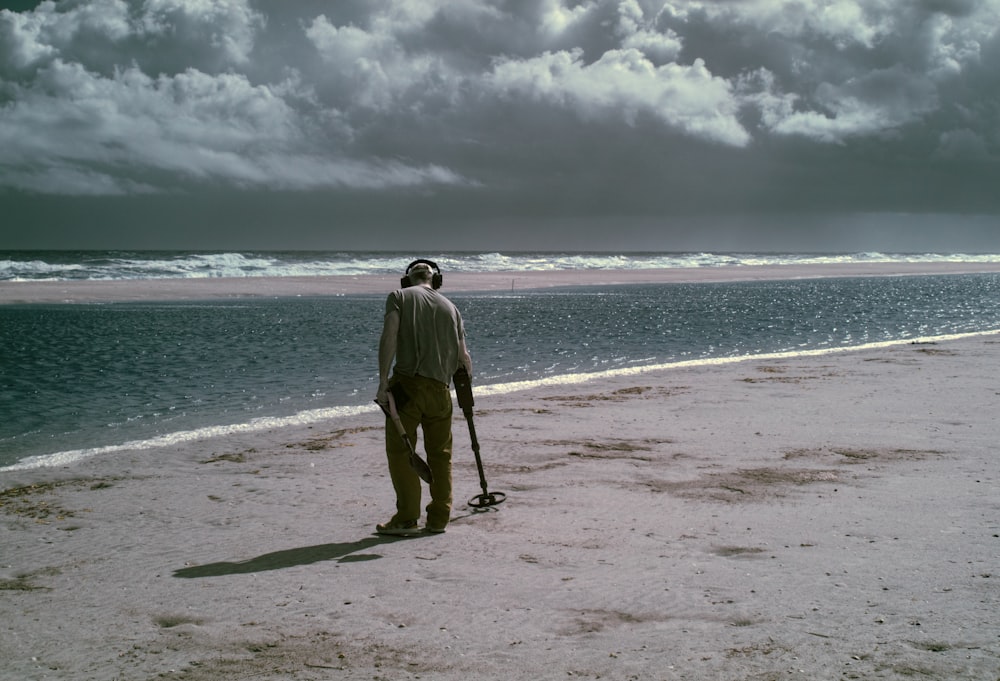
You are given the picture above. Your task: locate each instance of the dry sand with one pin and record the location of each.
(244, 287)
(831, 517)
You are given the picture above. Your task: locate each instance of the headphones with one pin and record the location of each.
(436, 279)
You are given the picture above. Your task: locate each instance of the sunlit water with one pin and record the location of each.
(79, 380)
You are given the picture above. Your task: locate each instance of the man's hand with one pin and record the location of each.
(382, 396)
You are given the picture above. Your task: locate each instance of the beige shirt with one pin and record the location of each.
(431, 335)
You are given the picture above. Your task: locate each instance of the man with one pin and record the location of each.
(423, 332)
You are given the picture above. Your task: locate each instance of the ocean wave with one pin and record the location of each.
(115, 265)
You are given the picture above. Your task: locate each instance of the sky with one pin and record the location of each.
(768, 125)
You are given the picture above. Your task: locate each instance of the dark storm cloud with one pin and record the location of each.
(523, 108)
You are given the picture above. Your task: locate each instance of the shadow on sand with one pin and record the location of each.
(278, 560)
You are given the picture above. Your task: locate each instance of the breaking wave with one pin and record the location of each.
(125, 265)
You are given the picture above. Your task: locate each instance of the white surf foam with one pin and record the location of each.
(194, 265)
(257, 425)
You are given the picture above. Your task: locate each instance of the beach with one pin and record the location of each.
(818, 516)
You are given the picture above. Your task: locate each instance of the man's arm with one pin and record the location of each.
(464, 357)
(386, 353)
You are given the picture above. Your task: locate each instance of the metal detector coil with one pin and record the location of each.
(463, 391)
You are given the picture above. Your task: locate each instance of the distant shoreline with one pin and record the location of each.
(178, 289)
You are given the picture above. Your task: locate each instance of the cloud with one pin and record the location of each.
(191, 124)
(964, 145)
(557, 19)
(596, 105)
(103, 34)
(639, 33)
(72, 129)
(623, 84)
(852, 69)
(373, 68)
(874, 103)
(103, 133)
(228, 27)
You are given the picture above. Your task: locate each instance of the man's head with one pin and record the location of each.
(422, 272)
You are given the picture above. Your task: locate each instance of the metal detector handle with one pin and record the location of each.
(463, 389)
(418, 465)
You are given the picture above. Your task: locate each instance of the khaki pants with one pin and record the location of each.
(429, 407)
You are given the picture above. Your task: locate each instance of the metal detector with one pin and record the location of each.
(418, 465)
(463, 391)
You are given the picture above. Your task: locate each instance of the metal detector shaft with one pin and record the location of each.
(475, 448)
(463, 391)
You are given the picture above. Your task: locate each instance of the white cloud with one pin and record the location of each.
(370, 69)
(557, 18)
(638, 33)
(843, 22)
(624, 83)
(759, 90)
(229, 26)
(872, 104)
(87, 129)
(51, 31)
(951, 45)
(108, 33)
(374, 69)
(20, 44)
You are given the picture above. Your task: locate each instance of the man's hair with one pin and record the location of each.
(420, 273)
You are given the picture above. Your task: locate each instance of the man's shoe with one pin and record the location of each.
(399, 529)
(433, 529)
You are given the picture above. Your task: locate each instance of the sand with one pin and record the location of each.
(818, 517)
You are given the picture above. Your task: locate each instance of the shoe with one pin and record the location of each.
(434, 529)
(399, 529)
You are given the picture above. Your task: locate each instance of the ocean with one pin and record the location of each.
(105, 265)
(94, 380)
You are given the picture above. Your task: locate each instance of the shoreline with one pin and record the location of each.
(344, 414)
(163, 290)
(811, 517)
